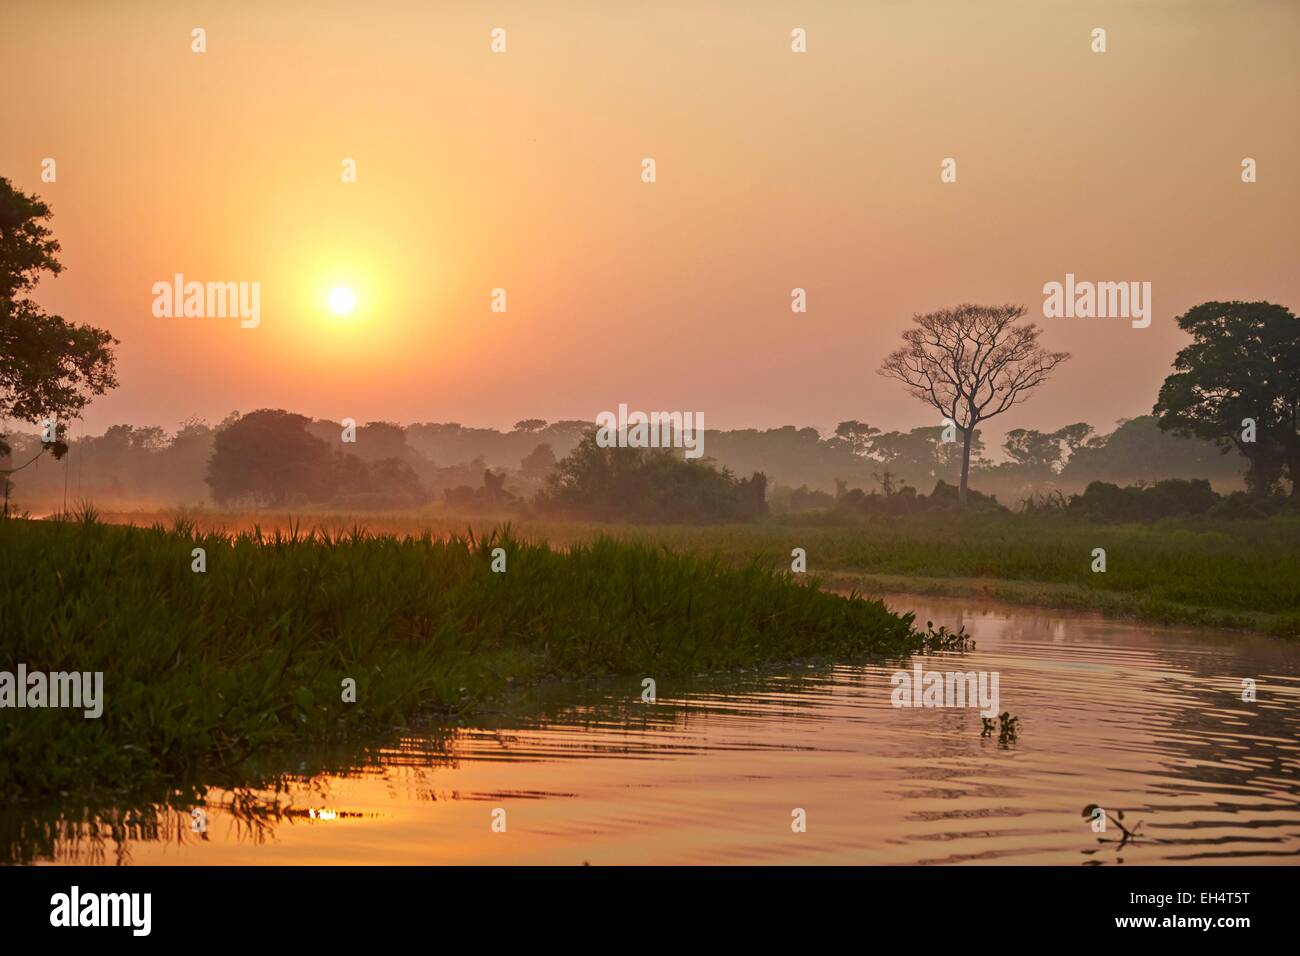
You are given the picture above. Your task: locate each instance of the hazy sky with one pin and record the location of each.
(522, 171)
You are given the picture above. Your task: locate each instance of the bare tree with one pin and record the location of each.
(971, 363)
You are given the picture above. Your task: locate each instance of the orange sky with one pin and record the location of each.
(522, 171)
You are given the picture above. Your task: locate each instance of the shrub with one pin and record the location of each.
(649, 485)
(1102, 501)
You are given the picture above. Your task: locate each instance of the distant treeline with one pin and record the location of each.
(276, 458)
(1101, 501)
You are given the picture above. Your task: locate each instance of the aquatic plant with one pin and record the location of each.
(1126, 835)
(297, 636)
(1007, 726)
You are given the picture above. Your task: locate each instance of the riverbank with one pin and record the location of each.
(266, 641)
(1141, 607)
(587, 772)
(1241, 574)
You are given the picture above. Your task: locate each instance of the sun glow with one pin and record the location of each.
(342, 300)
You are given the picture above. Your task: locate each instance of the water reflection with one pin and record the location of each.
(1144, 721)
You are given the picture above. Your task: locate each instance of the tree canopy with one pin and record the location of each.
(971, 363)
(1242, 367)
(649, 485)
(49, 367)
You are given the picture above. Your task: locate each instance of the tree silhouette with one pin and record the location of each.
(539, 462)
(971, 363)
(269, 457)
(858, 436)
(1243, 363)
(49, 367)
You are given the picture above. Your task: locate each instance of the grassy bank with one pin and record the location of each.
(205, 670)
(1194, 571)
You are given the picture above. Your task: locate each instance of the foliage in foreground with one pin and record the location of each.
(202, 670)
(48, 365)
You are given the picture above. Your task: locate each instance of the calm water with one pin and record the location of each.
(1144, 720)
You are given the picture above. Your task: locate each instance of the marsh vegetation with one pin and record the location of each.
(204, 669)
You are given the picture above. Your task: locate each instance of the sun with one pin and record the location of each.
(342, 300)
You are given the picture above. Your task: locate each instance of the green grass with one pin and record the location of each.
(1191, 571)
(203, 671)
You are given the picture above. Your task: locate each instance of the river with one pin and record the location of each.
(1143, 720)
